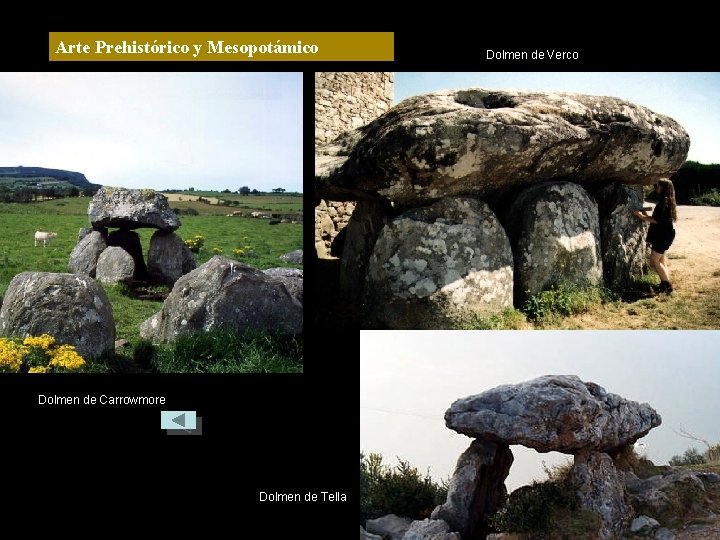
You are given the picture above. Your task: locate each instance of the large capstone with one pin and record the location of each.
(131, 209)
(553, 413)
(555, 231)
(623, 234)
(168, 258)
(85, 254)
(73, 309)
(223, 293)
(438, 265)
(483, 142)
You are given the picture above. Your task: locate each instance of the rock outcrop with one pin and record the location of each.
(482, 142)
(553, 413)
(439, 264)
(73, 309)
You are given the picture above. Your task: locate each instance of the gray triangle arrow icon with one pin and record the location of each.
(180, 420)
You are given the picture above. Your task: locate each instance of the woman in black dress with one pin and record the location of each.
(661, 232)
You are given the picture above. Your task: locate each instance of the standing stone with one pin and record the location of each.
(130, 242)
(477, 489)
(555, 232)
(223, 293)
(601, 489)
(623, 234)
(84, 231)
(85, 254)
(131, 209)
(435, 266)
(169, 258)
(363, 229)
(115, 265)
(73, 309)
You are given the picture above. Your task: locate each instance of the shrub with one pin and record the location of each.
(690, 457)
(401, 490)
(563, 300)
(547, 508)
(709, 198)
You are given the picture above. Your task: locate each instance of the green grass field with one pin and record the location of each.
(261, 242)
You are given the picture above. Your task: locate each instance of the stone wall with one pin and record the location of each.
(343, 101)
(348, 100)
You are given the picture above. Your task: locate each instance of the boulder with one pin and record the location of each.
(672, 494)
(553, 413)
(224, 293)
(623, 235)
(390, 527)
(72, 308)
(364, 535)
(643, 524)
(130, 242)
(168, 258)
(481, 142)
(430, 529)
(435, 266)
(131, 209)
(601, 489)
(115, 265)
(85, 254)
(555, 232)
(292, 278)
(477, 488)
(294, 257)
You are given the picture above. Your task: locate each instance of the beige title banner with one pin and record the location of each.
(221, 46)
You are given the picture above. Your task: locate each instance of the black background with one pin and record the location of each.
(285, 433)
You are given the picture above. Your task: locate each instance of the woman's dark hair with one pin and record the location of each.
(667, 194)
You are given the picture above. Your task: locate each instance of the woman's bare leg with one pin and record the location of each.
(657, 261)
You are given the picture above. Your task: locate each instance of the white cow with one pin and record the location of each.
(44, 237)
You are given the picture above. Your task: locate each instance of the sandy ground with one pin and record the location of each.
(695, 254)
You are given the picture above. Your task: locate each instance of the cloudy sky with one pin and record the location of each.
(692, 99)
(408, 379)
(157, 130)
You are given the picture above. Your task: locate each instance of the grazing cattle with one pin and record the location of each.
(44, 237)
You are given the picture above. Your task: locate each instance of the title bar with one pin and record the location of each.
(221, 46)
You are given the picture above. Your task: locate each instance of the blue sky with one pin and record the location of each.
(157, 130)
(408, 379)
(692, 99)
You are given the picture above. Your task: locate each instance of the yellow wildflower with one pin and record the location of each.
(11, 355)
(45, 341)
(39, 369)
(65, 356)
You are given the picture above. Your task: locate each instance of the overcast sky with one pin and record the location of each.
(408, 379)
(157, 130)
(692, 99)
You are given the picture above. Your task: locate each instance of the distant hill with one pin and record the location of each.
(75, 178)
